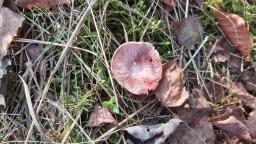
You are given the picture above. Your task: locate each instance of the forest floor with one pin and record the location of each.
(58, 86)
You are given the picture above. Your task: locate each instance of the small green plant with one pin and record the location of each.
(112, 105)
(79, 101)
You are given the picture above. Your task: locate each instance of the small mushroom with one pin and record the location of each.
(137, 67)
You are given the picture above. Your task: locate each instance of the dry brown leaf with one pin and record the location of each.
(223, 51)
(248, 78)
(9, 24)
(100, 115)
(220, 57)
(200, 3)
(238, 91)
(40, 3)
(234, 127)
(198, 100)
(215, 89)
(220, 50)
(169, 5)
(251, 123)
(235, 60)
(197, 134)
(34, 51)
(234, 27)
(193, 116)
(171, 91)
(195, 109)
(188, 31)
(251, 2)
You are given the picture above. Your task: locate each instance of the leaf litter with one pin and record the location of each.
(100, 115)
(40, 3)
(238, 91)
(248, 78)
(222, 51)
(10, 22)
(171, 91)
(251, 123)
(202, 133)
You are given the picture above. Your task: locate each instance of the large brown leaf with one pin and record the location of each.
(40, 3)
(171, 91)
(231, 119)
(233, 126)
(234, 27)
(9, 24)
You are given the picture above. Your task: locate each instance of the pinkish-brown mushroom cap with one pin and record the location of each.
(137, 67)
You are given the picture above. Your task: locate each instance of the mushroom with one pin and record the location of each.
(137, 67)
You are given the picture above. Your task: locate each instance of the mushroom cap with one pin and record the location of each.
(137, 67)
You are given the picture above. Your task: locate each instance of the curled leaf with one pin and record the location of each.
(40, 3)
(234, 127)
(9, 24)
(189, 31)
(234, 27)
(154, 134)
(197, 134)
(238, 91)
(100, 115)
(171, 91)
